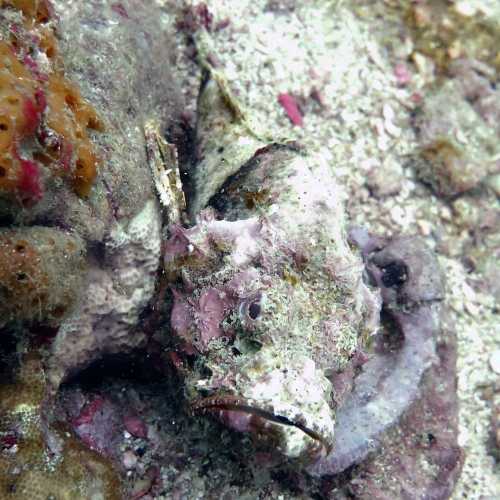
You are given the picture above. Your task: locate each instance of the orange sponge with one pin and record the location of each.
(40, 273)
(44, 121)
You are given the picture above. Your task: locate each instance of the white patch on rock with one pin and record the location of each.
(117, 291)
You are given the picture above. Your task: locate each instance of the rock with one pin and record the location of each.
(84, 223)
(129, 460)
(458, 148)
(125, 254)
(385, 180)
(135, 426)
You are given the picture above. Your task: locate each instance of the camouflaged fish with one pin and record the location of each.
(268, 298)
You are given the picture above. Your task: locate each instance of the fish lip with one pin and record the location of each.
(212, 405)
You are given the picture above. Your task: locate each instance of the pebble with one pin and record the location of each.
(495, 361)
(398, 215)
(129, 459)
(425, 227)
(402, 74)
(384, 180)
(466, 8)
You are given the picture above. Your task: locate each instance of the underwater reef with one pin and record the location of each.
(186, 310)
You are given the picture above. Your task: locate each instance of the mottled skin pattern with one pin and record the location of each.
(268, 293)
(220, 303)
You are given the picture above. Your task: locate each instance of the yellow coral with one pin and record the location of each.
(28, 470)
(17, 87)
(70, 116)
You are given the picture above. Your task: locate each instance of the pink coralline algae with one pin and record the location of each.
(402, 74)
(135, 426)
(289, 104)
(29, 182)
(33, 111)
(98, 425)
(120, 9)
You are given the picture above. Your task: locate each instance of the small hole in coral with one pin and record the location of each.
(4, 127)
(20, 248)
(21, 276)
(13, 101)
(3, 171)
(14, 42)
(431, 438)
(50, 52)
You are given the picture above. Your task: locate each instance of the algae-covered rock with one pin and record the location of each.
(81, 224)
(458, 148)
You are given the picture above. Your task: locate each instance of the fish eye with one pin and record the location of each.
(254, 310)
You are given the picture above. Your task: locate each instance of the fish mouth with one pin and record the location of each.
(246, 415)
